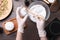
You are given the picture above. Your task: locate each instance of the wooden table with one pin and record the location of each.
(30, 32)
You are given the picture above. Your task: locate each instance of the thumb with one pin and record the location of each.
(17, 14)
(17, 11)
(24, 19)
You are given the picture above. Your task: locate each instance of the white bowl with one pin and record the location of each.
(9, 26)
(44, 7)
(39, 10)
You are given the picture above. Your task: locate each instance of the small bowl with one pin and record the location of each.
(9, 26)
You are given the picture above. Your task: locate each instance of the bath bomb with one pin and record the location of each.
(9, 26)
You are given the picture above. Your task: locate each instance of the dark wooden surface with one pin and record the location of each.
(30, 32)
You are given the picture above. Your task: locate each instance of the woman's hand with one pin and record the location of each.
(40, 27)
(20, 21)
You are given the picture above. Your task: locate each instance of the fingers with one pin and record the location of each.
(17, 14)
(37, 19)
(24, 19)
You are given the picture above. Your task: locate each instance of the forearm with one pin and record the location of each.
(19, 36)
(41, 31)
(43, 38)
(19, 33)
(42, 35)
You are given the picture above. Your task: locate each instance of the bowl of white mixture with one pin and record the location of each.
(39, 8)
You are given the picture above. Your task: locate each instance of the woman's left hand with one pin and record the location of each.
(20, 21)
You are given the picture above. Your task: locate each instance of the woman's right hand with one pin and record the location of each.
(40, 27)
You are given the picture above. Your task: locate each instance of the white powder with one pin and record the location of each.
(37, 9)
(9, 26)
(51, 1)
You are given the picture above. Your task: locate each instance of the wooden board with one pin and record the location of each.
(7, 12)
(15, 26)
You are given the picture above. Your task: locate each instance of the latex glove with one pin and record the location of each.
(40, 27)
(20, 21)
